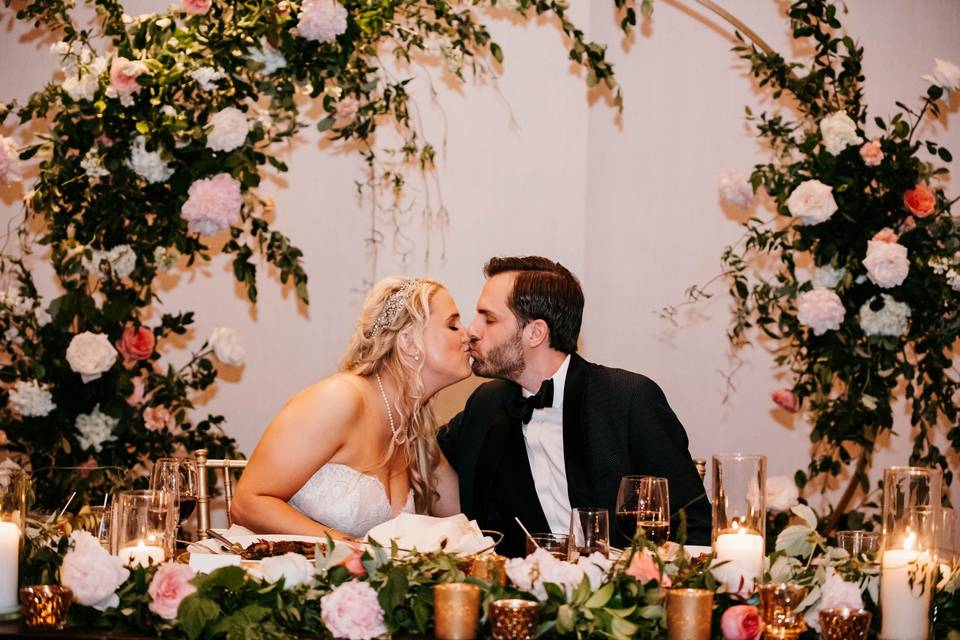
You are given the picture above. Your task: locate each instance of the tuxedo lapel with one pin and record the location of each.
(575, 452)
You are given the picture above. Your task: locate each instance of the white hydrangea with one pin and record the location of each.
(92, 165)
(827, 276)
(271, 59)
(30, 399)
(839, 132)
(95, 428)
(149, 165)
(891, 320)
(229, 129)
(11, 169)
(735, 188)
(120, 261)
(207, 77)
(82, 81)
(821, 310)
(887, 263)
(948, 269)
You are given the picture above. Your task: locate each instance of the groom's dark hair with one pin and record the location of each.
(544, 290)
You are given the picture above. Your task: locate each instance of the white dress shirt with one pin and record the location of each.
(543, 437)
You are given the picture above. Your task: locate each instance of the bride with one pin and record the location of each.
(357, 448)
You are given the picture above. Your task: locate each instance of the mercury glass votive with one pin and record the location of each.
(778, 609)
(689, 613)
(45, 606)
(845, 624)
(514, 619)
(489, 567)
(456, 611)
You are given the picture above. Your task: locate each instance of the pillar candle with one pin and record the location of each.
(905, 609)
(9, 567)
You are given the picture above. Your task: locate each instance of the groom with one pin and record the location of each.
(554, 431)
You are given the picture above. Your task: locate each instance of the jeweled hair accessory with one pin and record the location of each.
(391, 309)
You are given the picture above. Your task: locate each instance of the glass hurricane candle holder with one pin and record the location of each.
(514, 619)
(143, 527)
(739, 519)
(45, 606)
(456, 611)
(908, 560)
(13, 492)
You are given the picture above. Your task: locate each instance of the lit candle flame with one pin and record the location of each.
(909, 541)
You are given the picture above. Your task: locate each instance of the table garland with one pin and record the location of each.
(381, 592)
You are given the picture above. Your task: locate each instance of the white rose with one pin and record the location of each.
(835, 593)
(839, 132)
(735, 189)
(229, 129)
(892, 319)
(95, 428)
(946, 74)
(827, 277)
(540, 567)
(782, 494)
(92, 573)
(821, 310)
(226, 346)
(294, 568)
(31, 400)
(887, 264)
(812, 202)
(90, 355)
(149, 165)
(321, 20)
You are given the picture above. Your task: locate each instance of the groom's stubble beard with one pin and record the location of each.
(505, 361)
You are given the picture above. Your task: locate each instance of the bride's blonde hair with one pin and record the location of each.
(394, 304)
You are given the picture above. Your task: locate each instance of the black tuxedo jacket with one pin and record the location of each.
(615, 423)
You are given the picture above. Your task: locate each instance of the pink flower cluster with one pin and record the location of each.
(352, 611)
(213, 204)
(124, 74)
(170, 585)
(644, 568)
(785, 399)
(196, 7)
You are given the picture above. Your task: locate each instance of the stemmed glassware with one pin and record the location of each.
(643, 502)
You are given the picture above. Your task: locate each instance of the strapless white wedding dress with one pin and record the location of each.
(347, 500)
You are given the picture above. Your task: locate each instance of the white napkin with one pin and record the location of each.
(454, 534)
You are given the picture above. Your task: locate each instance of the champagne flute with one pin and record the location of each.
(179, 477)
(643, 502)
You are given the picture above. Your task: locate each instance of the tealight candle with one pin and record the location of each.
(142, 555)
(906, 585)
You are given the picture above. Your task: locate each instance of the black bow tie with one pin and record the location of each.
(539, 400)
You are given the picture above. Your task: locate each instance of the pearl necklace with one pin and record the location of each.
(397, 436)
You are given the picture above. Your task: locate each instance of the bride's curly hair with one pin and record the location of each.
(393, 305)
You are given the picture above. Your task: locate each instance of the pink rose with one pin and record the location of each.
(871, 153)
(124, 74)
(644, 568)
(170, 585)
(740, 622)
(352, 611)
(354, 565)
(196, 7)
(136, 343)
(156, 418)
(920, 201)
(887, 235)
(785, 399)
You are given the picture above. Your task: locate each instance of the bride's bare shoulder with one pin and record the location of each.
(337, 398)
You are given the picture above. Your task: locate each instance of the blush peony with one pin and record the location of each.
(213, 204)
(740, 622)
(322, 20)
(352, 611)
(821, 310)
(170, 585)
(92, 573)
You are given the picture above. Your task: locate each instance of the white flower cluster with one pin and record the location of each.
(839, 132)
(735, 189)
(95, 428)
(10, 169)
(30, 399)
(92, 165)
(321, 20)
(225, 343)
(533, 572)
(452, 56)
(207, 77)
(165, 257)
(149, 165)
(271, 59)
(12, 301)
(887, 264)
(120, 261)
(229, 129)
(81, 68)
(828, 277)
(821, 310)
(948, 269)
(892, 319)
(812, 202)
(946, 74)
(90, 355)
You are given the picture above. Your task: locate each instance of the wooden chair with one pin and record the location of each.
(203, 496)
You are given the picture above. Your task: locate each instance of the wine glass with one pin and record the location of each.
(589, 533)
(179, 477)
(644, 502)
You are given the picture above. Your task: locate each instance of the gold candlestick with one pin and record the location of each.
(456, 611)
(514, 619)
(45, 606)
(689, 614)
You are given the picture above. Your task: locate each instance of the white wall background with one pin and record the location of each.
(536, 164)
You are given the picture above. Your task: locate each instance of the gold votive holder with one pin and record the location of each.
(45, 606)
(489, 568)
(456, 611)
(689, 614)
(778, 610)
(514, 619)
(845, 624)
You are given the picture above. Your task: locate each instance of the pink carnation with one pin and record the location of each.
(785, 399)
(170, 585)
(352, 611)
(322, 20)
(644, 568)
(871, 153)
(156, 418)
(740, 622)
(124, 74)
(196, 7)
(9, 161)
(213, 204)
(887, 235)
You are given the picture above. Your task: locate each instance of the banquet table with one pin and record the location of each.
(16, 629)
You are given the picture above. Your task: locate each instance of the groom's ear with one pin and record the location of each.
(536, 332)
